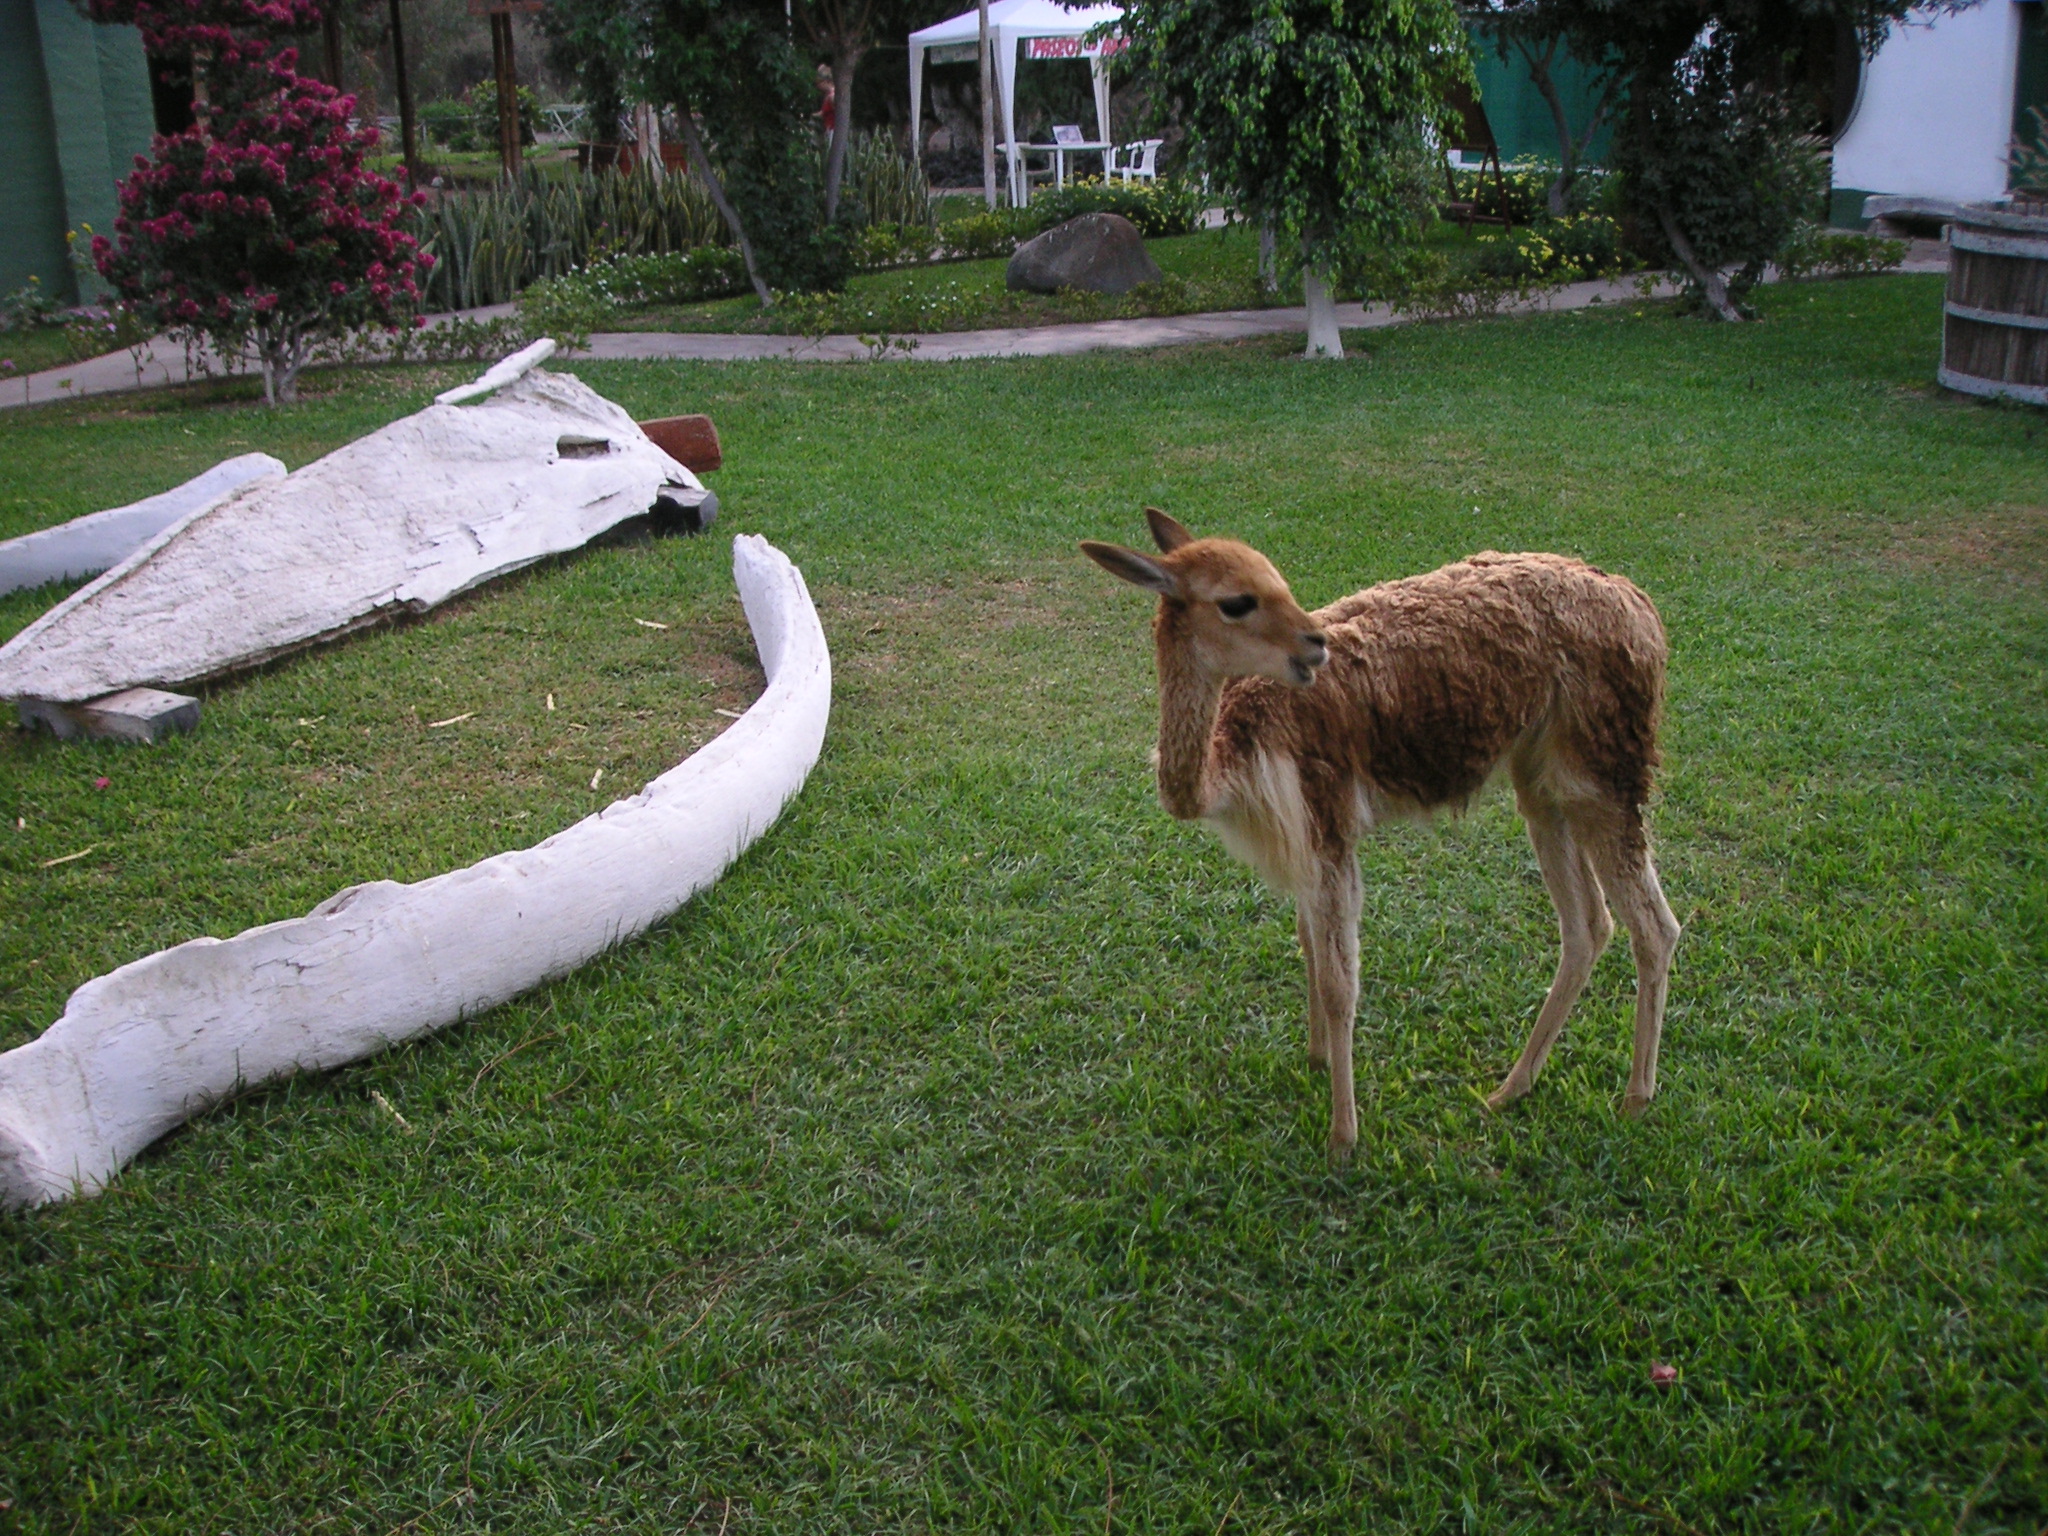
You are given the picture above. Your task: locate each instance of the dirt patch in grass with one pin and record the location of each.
(2001, 544)
(2005, 543)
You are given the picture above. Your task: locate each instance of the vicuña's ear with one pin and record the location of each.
(1129, 565)
(1168, 534)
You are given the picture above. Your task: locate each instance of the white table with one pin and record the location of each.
(1020, 182)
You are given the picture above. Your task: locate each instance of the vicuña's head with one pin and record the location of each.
(1221, 602)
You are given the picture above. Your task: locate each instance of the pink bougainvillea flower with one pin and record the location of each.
(1662, 1375)
(259, 225)
(101, 783)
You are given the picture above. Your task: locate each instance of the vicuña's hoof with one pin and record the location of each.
(1503, 1096)
(1633, 1106)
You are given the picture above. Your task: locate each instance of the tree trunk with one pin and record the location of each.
(694, 142)
(280, 355)
(843, 66)
(988, 114)
(1269, 257)
(507, 71)
(408, 134)
(1567, 157)
(1711, 284)
(330, 38)
(1323, 340)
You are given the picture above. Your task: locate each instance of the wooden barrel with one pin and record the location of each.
(1995, 324)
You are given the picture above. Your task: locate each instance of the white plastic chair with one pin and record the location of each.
(1141, 162)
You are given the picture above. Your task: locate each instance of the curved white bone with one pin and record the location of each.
(499, 374)
(147, 1046)
(87, 545)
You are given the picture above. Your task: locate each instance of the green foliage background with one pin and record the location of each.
(1308, 112)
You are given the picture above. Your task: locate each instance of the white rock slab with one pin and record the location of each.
(146, 1047)
(395, 522)
(87, 545)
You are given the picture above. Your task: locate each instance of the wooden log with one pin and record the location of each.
(143, 1048)
(134, 714)
(395, 522)
(691, 441)
(87, 545)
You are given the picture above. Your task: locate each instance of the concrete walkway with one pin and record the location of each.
(162, 362)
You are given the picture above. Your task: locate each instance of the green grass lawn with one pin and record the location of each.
(1210, 270)
(1215, 269)
(955, 1163)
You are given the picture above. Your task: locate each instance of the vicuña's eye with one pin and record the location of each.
(1237, 607)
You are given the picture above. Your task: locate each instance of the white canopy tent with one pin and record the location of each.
(1042, 30)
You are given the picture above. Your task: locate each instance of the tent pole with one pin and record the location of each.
(988, 117)
(1006, 103)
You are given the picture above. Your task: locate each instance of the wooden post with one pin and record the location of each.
(330, 37)
(508, 92)
(408, 136)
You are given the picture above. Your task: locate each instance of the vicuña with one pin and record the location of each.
(1294, 733)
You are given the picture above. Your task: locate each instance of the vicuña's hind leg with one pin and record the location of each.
(1631, 879)
(1328, 925)
(1318, 1032)
(1583, 928)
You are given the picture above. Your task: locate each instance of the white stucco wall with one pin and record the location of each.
(1935, 115)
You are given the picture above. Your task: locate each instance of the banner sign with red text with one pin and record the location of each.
(1073, 47)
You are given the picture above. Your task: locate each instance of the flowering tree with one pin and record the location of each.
(258, 227)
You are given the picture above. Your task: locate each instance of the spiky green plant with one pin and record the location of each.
(891, 190)
(490, 245)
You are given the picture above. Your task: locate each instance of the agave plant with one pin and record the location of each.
(890, 189)
(489, 245)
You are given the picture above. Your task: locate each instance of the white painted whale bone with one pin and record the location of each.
(87, 545)
(500, 373)
(143, 1048)
(399, 520)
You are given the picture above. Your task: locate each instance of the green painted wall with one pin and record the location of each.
(1520, 117)
(74, 113)
(31, 187)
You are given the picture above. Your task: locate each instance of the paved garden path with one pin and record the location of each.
(162, 362)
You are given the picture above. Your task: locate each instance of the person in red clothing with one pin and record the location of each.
(828, 99)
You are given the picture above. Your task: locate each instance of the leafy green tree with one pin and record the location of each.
(1306, 111)
(743, 98)
(841, 32)
(1539, 53)
(1707, 146)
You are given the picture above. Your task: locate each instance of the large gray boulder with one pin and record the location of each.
(1099, 252)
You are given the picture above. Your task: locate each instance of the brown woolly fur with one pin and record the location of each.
(1293, 733)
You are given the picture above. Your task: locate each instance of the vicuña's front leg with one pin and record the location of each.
(1329, 923)
(1318, 1030)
